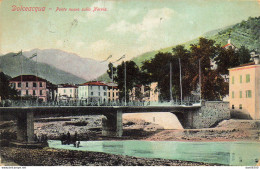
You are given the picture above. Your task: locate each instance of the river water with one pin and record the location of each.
(227, 153)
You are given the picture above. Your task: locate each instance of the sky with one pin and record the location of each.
(126, 27)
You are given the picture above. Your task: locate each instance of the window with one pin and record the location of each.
(247, 78)
(98, 87)
(233, 107)
(105, 93)
(91, 87)
(26, 84)
(34, 93)
(34, 84)
(70, 90)
(14, 85)
(240, 94)
(19, 84)
(240, 78)
(240, 106)
(98, 93)
(108, 94)
(40, 92)
(248, 94)
(117, 94)
(27, 92)
(91, 93)
(40, 84)
(104, 87)
(233, 95)
(64, 91)
(233, 79)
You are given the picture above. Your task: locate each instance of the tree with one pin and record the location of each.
(205, 50)
(243, 55)
(213, 86)
(225, 59)
(111, 70)
(228, 58)
(132, 77)
(158, 70)
(187, 69)
(6, 92)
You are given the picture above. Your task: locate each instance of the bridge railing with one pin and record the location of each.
(76, 103)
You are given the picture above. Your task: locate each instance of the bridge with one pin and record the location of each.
(111, 125)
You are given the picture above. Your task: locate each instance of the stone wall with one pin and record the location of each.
(210, 114)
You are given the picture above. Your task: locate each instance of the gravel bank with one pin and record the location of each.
(52, 157)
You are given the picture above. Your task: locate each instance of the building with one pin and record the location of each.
(93, 91)
(31, 86)
(112, 92)
(144, 93)
(67, 92)
(244, 90)
(230, 45)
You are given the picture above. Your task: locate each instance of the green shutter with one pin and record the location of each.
(247, 78)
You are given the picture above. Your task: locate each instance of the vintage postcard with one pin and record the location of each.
(129, 83)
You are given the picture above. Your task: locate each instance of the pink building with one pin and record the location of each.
(30, 85)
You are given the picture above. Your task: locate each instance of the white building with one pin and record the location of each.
(94, 91)
(67, 92)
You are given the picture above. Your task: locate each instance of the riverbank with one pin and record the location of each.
(53, 157)
(228, 130)
(137, 129)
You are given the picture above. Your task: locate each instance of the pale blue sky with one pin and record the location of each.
(129, 27)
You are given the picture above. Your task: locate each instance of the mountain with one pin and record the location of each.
(12, 66)
(84, 68)
(245, 33)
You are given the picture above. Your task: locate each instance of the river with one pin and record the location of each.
(226, 153)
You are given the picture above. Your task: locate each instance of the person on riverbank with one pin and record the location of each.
(68, 138)
(78, 144)
(63, 138)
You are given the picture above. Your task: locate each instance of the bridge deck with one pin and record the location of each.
(91, 110)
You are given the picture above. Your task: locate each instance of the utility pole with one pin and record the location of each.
(180, 79)
(37, 96)
(21, 54)
(200, 80)
(171, 82)
(125, 83)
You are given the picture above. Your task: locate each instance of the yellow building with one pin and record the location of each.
(244, 90)
(145, 93)
(112, 92)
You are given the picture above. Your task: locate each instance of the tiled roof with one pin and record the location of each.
(229, 44)
(243, 65)
(67, 86)
(111, 84)
(247, 64)
(28, 78)
(93, 83)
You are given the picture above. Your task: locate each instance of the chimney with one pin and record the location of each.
(256, 59)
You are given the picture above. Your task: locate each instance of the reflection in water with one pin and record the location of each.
(113, 147)
(227, 153)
